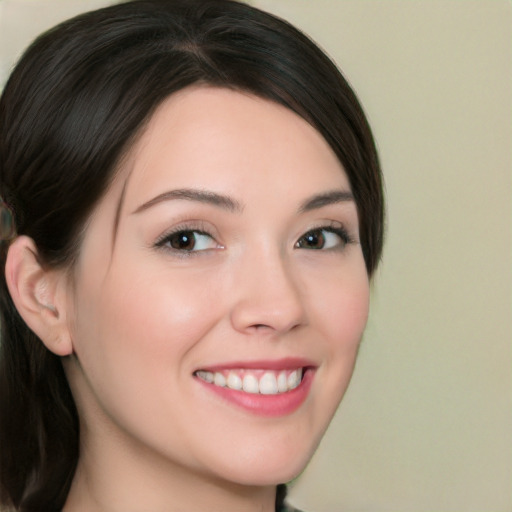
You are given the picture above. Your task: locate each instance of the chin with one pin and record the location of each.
(266, 474)
(270, 465)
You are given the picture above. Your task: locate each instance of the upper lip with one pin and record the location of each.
(288, 363)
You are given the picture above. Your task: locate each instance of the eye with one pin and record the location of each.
(323, 238)
(188, 241)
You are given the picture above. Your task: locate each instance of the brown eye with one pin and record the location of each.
(184, 241)
(323, 238)
(312, 240)
(188, 241)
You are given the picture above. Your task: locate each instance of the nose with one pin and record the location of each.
(268, 297)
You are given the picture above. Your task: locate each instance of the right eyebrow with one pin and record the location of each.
(189, 194)
(326, 199)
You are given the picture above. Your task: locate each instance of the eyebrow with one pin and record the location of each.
(201, 196)
(326, 199)
(230, 204)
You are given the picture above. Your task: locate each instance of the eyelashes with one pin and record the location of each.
(188, 240)
(324, 238)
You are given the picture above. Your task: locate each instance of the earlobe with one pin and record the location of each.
(39, 294)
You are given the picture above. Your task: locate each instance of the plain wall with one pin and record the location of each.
(426, 425)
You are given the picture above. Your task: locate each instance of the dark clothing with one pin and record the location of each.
(288, 508)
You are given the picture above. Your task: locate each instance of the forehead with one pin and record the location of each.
(214, 138)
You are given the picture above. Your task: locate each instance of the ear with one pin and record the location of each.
(39, 294)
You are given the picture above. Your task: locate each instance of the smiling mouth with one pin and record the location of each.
(254, 381)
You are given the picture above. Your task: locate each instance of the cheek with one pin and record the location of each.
(157, 316)
(348, 314)
(133, 336)
(340, 316)
(340, 305)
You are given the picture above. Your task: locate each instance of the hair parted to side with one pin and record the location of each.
(78, 97)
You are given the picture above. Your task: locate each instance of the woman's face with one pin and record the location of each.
(227, 250)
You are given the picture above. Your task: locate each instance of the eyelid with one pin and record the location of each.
(335, 227)
(198, 227)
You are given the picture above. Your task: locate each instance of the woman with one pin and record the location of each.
(191, 211)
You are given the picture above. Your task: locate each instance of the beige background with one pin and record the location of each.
(427, 423)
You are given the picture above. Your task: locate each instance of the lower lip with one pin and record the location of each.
(280, 404)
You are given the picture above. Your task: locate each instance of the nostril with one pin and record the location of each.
(263, 328)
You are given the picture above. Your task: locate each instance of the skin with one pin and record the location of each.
(141, 317)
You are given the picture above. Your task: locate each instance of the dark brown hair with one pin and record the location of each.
(69, 111)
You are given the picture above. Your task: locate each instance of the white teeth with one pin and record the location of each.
(268, 384)
(282, 382)
(219, 379)
(254, 381)
(294, 379)
(234, 381)
(206, 376)
(250, 384)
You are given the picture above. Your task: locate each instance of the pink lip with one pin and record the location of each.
(289, 363)
(277, 405)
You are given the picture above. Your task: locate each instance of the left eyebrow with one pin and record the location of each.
(325, 199)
